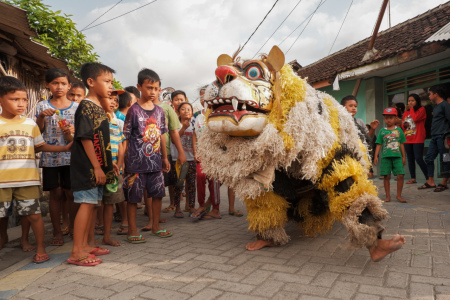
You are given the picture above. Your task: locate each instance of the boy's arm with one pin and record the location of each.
(88, 146)
(53, 148)
(177, 142)
(120, 155)
(377, 151)
(165, 161)
(402, 148)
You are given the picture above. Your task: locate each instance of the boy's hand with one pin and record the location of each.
(69, 129)
(100, 177)
(68, 147)
(47, 113)
(181, 158)
(403, 160)
(165, 165)
(375, 161)
(374, 124)
(197, 158)
(116, 169)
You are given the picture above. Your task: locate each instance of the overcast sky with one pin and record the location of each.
(181, 39)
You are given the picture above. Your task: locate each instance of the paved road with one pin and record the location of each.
(207, 260)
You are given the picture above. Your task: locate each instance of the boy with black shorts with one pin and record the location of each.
(390, 141)
(146, 156)
(20, 138)
(91, 158)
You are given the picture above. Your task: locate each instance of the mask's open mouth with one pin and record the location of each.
(234, 108)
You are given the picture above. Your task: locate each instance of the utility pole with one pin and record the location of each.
(371, 50)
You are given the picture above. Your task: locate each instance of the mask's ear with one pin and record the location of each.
(276, 58)
(224, 59)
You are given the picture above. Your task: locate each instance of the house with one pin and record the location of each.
(408, 58)
(21, 56)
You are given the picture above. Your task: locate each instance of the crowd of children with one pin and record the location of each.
(112, 149)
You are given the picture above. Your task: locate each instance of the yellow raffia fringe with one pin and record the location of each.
(334, 122)
(266, 211)
(313, 225)
(343, 169)
(293, 90)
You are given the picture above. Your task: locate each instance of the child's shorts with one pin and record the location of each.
(116, 197)
(170, 178)
(391, 164)
(135, 183)
(54, 177)
(25, 200)
(91, 196)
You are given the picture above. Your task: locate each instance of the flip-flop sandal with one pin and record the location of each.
(426, 186)
(197, 215)
(209, 217)
(183, 172)
(40, 258)
(65, 230)
(78, 261)
(158, 234)
(140, 241)
(237, 213)
(168, 209)
(99, 230)
(97, 252)
(178, 214)
(123, 230)
(440, 188)
(56, 242)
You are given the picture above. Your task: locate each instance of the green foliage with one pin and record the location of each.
(58, 33)
(117, 85)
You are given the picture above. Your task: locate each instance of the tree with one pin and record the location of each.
(58, 33)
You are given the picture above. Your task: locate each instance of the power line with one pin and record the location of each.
(320, 4)
(122, 15)
(101, 15)
(312, 15)
(259, 24)
(340, 27)
(277, 28)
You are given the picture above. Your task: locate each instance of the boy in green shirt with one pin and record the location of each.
(392, 154)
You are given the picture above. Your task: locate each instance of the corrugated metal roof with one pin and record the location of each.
(14, 25)
(16, 18)
(442, 35)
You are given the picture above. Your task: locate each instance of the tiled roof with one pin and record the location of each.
(405, 36)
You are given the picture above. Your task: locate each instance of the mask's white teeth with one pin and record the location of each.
(221, 100)
(228, 101)
(244, 107)
(215, 101)
(235, 104)
(205, 105)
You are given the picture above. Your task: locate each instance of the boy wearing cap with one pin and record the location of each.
(390, 140)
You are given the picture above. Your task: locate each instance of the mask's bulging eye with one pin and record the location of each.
(253, 73)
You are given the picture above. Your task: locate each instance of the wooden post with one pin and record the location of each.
(372, 41)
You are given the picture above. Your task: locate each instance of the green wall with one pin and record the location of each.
(347, 89)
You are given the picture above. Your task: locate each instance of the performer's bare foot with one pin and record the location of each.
(388, 199)
(384, 247)
(401, 199)
(259, 244)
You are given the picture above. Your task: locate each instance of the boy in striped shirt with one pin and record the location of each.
(20, 139)
(113, 194)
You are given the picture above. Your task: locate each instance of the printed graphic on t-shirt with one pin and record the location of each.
(391, 141)
(151, 139)
(410, 126)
